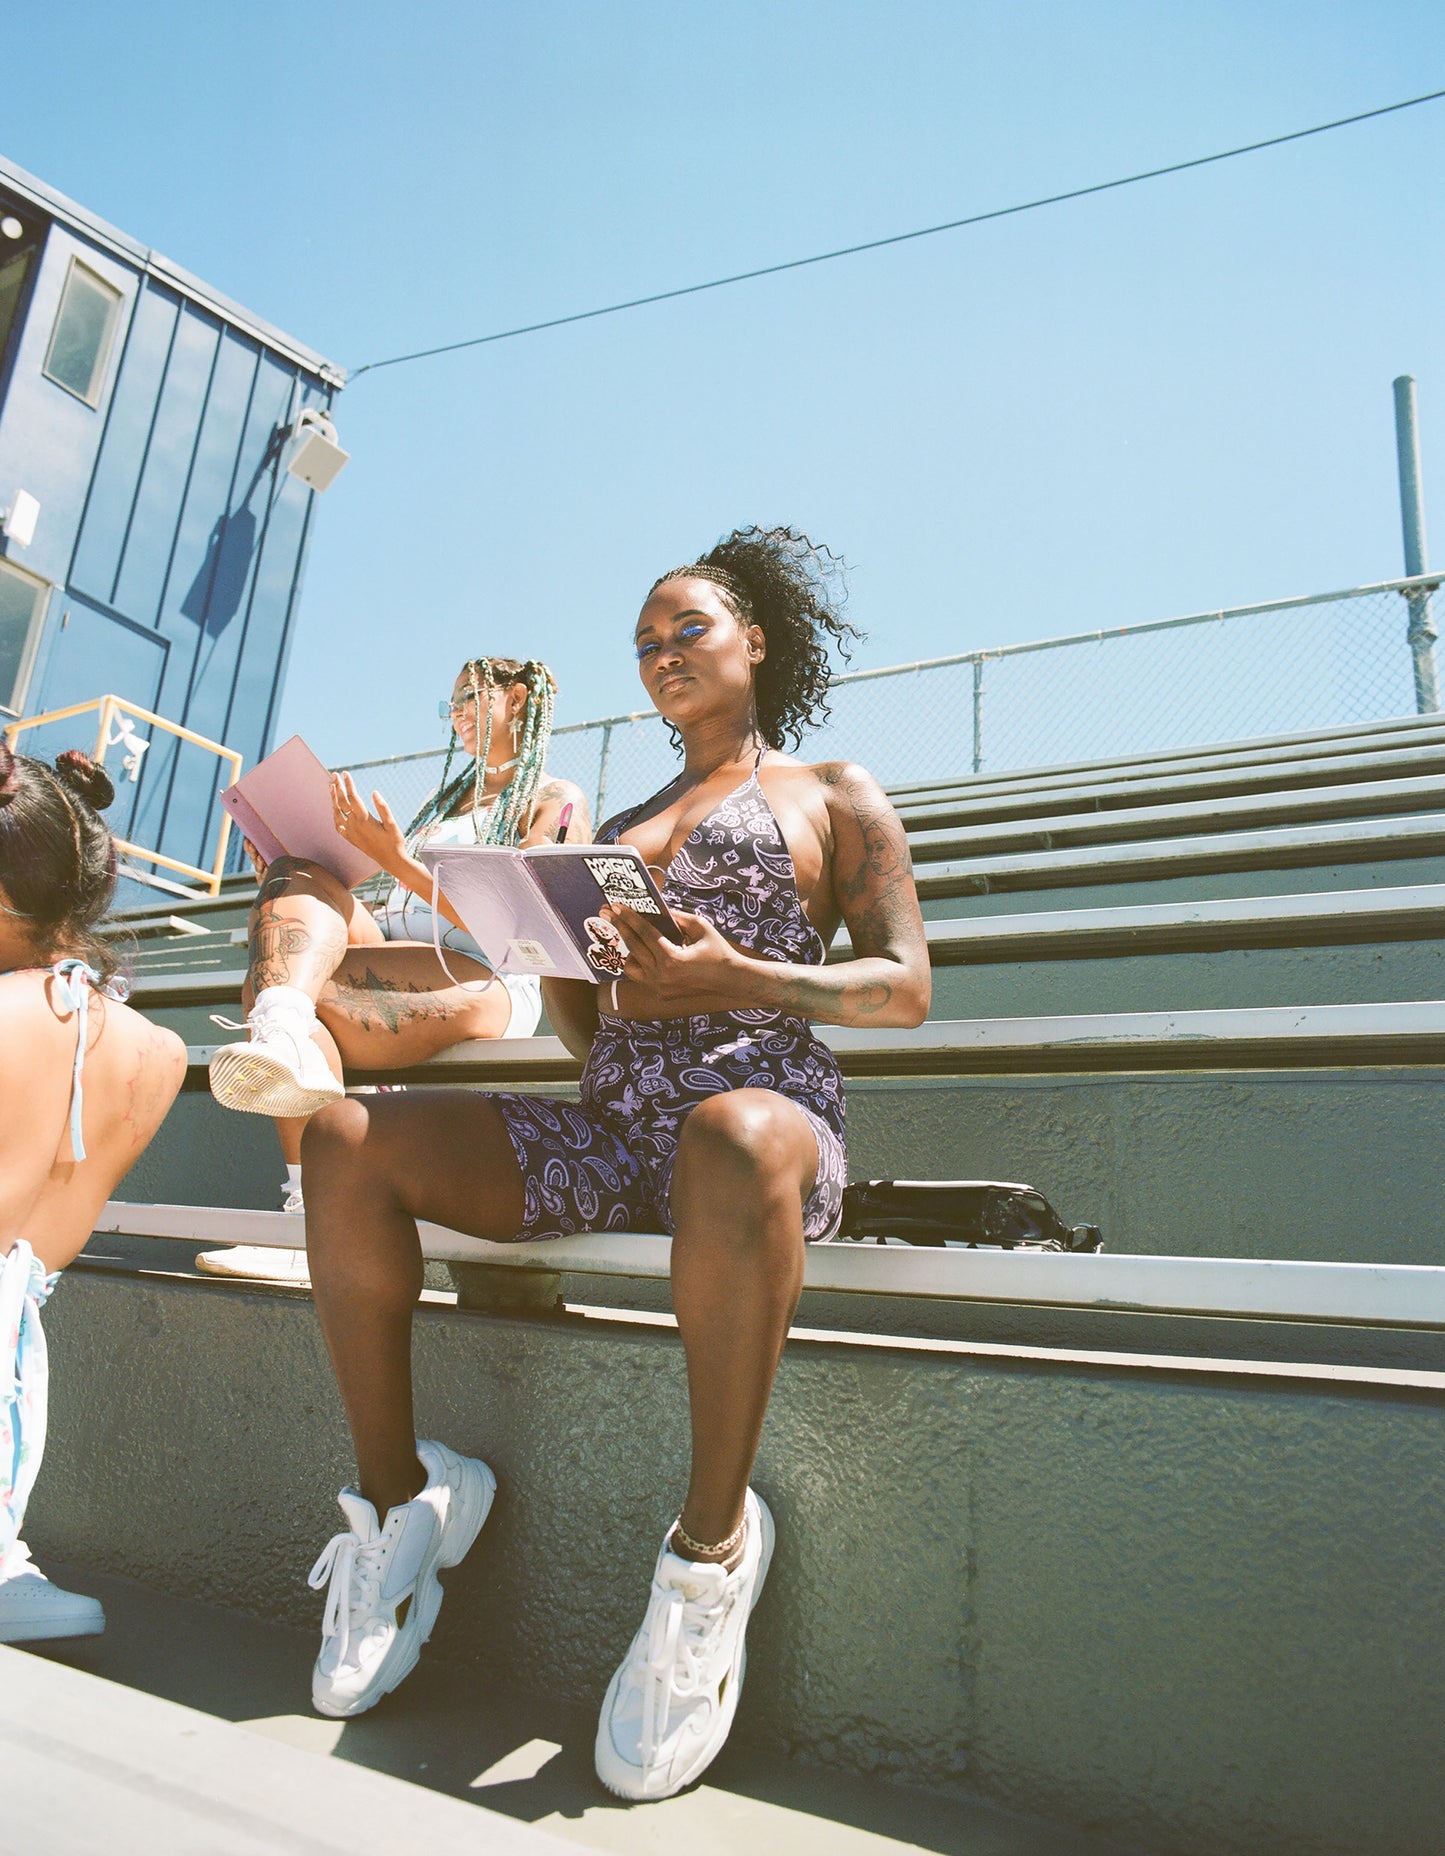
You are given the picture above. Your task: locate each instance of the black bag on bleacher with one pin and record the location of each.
(960, 1211)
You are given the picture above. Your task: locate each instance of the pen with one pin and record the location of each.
(563, 822)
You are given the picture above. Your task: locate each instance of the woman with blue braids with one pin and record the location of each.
(84, 1084)
(334, 980)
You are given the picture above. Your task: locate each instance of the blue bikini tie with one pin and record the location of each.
(74, 979)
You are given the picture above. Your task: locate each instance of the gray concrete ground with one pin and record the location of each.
(90, 1765)
(519, 1754)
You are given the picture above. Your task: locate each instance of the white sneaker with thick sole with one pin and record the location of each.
(670, 1707)
(32, 1610)
(384, 1594)
(278, 1070)
(257, 1263)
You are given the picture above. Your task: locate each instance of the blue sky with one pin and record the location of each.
(1166, 399)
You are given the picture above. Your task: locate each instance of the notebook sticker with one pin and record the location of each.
(621, 881)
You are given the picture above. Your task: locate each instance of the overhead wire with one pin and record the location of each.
(898, 238)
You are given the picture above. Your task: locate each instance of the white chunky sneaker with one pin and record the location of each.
(32, 1610)
(384, 1594)
(278, 1071)
(258, 1263)
(670, 1706)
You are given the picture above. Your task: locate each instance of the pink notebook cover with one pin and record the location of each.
(283, 805)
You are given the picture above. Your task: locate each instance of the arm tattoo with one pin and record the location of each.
(873, 883)
(874, 894)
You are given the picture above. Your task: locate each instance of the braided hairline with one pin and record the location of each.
(780, 580)
(738, 596)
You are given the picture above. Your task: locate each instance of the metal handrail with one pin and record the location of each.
(109, 708)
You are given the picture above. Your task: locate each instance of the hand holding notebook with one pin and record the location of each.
(284, 807)
(540, 910)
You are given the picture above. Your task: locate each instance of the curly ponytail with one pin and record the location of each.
(793, 590)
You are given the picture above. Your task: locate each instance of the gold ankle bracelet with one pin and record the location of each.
(721, 1548)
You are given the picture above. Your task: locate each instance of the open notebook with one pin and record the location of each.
(539, 911)
(283, 805)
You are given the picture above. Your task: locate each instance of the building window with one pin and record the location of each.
(84, 329)
(17, 247)
(22, 611)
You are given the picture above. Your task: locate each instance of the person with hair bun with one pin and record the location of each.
(334, 979)
(84, 1084)
(708, 1109)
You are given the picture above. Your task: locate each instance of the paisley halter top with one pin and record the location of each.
(734, 868)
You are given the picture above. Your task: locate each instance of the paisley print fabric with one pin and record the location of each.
(605, 1163)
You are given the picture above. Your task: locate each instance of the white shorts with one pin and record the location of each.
(407, 918)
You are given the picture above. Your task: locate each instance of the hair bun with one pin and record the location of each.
(9, 785)
(82, 776)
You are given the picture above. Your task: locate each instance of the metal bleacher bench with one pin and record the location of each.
(1416, 912)
(1251, 1037)
(1249, 1288)
(1268, 766)
(1350, 1293)
(1342, 745)
(1077, 826)
(1358, 1294)
(1221, 852)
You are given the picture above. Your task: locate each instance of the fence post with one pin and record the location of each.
(978, 715)
(600, 814)
(1421, 631)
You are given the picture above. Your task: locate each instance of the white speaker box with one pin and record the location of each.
(316, 458)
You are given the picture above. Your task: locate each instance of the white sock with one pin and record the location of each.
(285, 999)
(293, 1179)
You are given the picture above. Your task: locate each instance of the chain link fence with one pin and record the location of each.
(1281, 668)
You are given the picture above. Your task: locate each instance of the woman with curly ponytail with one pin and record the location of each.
(84, 1084)
(333, 977)
(709, 1109)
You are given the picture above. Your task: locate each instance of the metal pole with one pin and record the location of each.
(1421, 632)
(978, 715)
(602, 772)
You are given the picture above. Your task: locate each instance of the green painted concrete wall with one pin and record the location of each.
(1196, 1611)
(1370, 975)
(1332, 1166)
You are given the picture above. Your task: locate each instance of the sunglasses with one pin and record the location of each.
(446, 708)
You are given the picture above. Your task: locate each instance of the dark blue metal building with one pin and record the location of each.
(146, 416)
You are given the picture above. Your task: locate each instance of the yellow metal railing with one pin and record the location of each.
(111, 708)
